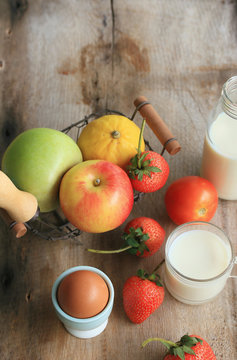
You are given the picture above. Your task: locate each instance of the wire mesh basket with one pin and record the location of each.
(54, 225)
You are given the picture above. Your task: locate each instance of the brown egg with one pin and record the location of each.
(83, 294)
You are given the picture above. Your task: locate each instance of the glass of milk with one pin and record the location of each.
(198, 261)
(219, 161)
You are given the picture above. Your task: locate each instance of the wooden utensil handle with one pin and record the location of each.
(21, 206)
(157, 125)
(19, 229)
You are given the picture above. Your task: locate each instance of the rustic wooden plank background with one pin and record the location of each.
(60, 61)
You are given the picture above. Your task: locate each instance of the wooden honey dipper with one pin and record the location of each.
(17, 207)
(157, 125)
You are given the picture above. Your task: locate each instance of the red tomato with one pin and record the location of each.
(191, 198)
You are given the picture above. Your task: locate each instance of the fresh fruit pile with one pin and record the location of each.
(94, 182)
(89, 181)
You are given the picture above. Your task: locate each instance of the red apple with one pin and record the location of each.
(96, 196)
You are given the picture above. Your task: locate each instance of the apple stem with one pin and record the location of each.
(110, 251)
(139, 143)
(97, 182)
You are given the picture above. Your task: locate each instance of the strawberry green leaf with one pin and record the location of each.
(154, 169)
(132, 176)
(136, 239)
(132, 251)
(144, 237)
(189, 340)
(158, 283)
(132, 242)
(147, 173)
(138, 252)
(179, 352)
(188, 350)
(152, 277)
(137, 171)
(134, 161)
(155, 278)
(140, 176)
(143, 248)
(142, 157)
(146, 163)
(141, 273)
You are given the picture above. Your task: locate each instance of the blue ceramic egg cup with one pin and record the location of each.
(84, 328)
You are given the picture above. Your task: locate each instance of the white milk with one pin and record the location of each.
(219, 164)
(193, 259)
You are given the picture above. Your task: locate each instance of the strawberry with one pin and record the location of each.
(190, 347)
(143, 236)
(148, 171)
(142, 295)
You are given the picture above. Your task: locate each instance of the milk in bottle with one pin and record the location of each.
(219, 161)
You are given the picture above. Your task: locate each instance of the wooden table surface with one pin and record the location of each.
(60, 61)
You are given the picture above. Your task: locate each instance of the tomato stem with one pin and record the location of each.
(202, 212)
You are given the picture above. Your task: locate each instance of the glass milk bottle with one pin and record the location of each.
(219, 162)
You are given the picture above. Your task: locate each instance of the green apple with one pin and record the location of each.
(37, 159)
